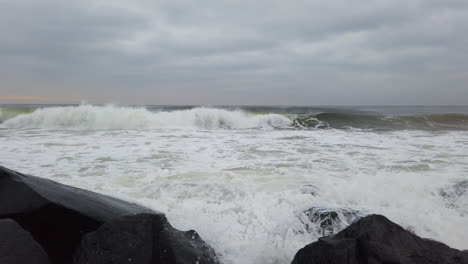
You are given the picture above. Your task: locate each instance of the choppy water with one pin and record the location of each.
(243, 177)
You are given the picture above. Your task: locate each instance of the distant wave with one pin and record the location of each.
(9, 113)
(379, 122)
(92, 117)
(116, 117)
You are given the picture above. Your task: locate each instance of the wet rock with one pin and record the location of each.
(17, 245)
(66, 221)
(376, 240)
(143, 239)
(326, 221)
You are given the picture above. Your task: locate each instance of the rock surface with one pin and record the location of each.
(140, 239)
(17, 245)
(329, 221)
(376, 240)
(72, 223)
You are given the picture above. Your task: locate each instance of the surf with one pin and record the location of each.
(92, 117)
(382, 122)
(109, 117)
(9, 113)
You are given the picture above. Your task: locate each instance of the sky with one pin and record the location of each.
(215, 52)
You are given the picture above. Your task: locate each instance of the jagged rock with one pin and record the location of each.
(59, 217)
(329, 221)
(376, 240)
(17, 246)
(143, 239)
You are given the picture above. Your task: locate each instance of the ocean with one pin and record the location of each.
(247, 178)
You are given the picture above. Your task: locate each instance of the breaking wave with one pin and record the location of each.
(9, 113)
(116, 117)
(91, 117)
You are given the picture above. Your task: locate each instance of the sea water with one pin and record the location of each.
(243, 177)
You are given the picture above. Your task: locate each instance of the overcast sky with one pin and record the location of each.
(323, 52)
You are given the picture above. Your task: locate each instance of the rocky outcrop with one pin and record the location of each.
(376, 240)
(73, 225)
(18, 246)
(139, 239)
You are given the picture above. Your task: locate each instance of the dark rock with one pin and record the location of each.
(59, 217)
(143, 239)
(325, 221)
(376, 240)
(17, 246)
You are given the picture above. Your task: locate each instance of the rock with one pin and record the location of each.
(18, 246)
(376, 240)
(327, 221)
(143, 239)
(66, 221)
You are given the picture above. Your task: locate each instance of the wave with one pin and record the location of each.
(9, 113)
(380, 122)
(92, 117)
(116, 117)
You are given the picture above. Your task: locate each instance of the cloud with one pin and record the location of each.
(236, 52)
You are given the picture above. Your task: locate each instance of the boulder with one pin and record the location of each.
(142, 238)
(67, 222)
(376, 240)
(17, 245)
(326, 221)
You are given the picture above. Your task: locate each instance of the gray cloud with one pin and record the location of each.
(236, 52)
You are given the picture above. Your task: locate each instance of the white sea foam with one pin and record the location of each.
(244, 191)
(116, 117)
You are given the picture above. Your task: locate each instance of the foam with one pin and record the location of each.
(116, 117)
(244, 191)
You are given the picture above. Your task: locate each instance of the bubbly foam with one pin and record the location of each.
(115, 117)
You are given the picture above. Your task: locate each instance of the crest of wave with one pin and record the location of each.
(117, 117)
